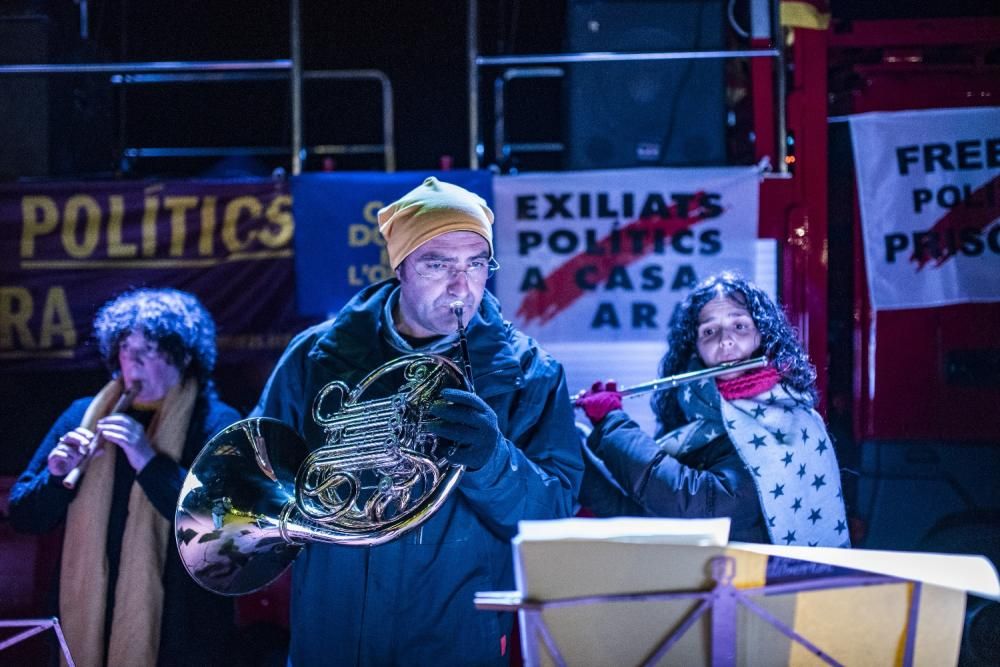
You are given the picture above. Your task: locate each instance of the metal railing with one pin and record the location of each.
(763, 12)
(385, 148)
(515, 68)
(290, 69)
(503, 149)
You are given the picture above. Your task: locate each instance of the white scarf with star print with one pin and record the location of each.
(784, 444)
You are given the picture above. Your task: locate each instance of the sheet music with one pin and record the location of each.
(965, 572)
(697, 532)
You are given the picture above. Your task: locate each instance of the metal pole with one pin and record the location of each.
(147, 67)
(498, 121)
(618, 56)
(296, 86)
(472, 42)
(778, 44)
(84, 20)
(388, 125)
(123, 165)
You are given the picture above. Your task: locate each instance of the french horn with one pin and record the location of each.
(255, 494)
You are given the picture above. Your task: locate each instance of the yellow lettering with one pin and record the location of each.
(279, 213)
(91, 231)
(353, 277)
(358, 235)
(39, 216)
(178, 207)
(16, 308)
(57, 320)
(205, 245)
(149, 226)
(231, 218)
(370, 211)
(116, 246)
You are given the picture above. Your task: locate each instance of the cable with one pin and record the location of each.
(731, 15)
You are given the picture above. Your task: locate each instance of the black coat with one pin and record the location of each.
(197, 626)
(709, 482)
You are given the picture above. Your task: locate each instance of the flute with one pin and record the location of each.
(123, 403)
(457, 307)
(673, 381)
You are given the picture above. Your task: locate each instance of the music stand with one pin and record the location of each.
(587, 597)
(720, 601)
(35, 626)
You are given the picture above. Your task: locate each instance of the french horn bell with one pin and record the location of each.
(256, 494)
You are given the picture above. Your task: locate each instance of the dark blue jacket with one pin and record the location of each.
(710, 482)
(197, 626)
(410, 601)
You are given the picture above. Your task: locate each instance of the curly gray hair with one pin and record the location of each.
(176, 321)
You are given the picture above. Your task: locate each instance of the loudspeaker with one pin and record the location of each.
(24, 100)
(645, 113)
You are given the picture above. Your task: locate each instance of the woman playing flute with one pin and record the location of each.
(747, 445)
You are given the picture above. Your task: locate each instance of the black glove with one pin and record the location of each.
(470, 423)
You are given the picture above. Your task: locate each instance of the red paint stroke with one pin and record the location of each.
(561, 288)
(958, 218)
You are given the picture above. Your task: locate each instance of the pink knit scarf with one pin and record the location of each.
(749, 384)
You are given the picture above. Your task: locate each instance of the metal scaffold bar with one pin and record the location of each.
(503, 148)
(226, 71)
(148, 67)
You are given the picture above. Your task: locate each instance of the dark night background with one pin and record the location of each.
(70, 127)
(73, 127)
(420, 46)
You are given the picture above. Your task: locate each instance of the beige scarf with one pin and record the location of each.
(83, 584)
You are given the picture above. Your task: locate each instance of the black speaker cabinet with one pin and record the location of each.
(645, 113)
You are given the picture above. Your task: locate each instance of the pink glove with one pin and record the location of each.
(600, 400)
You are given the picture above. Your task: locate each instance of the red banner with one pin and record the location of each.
(66, 248)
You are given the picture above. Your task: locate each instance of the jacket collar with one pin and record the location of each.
(355, 339)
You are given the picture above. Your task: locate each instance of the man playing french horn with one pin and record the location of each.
(409, 600)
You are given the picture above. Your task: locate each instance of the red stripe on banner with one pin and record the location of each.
(942, 241)
(636, 240)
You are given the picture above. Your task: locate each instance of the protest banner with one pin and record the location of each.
(929, 192)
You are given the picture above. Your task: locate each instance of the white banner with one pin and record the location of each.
(604, 256)
(929, 191)
(593, 263)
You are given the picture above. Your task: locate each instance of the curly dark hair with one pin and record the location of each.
(176, 321)
(778, 342)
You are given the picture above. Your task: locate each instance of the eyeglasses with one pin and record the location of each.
(433, 269)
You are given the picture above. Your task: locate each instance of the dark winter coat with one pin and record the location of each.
(410, 600)
(710, 482)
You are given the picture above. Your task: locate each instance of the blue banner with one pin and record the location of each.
(338, 248)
